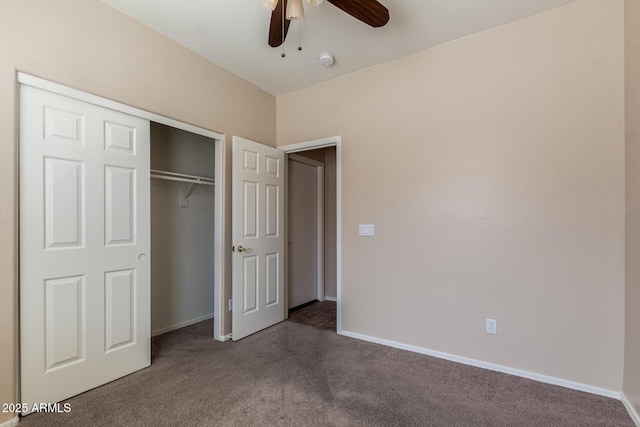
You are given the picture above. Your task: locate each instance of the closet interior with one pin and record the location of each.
(182, 228)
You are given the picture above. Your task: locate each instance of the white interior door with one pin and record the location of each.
(258, 237)
(302, 226)
(84, 245)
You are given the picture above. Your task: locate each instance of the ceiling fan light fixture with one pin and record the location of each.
(315, 2)
(295, 10)
(269, 4)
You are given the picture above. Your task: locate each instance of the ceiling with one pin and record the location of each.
(233, 33)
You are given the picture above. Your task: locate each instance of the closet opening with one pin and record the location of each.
(182, 228)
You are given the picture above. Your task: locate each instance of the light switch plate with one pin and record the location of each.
(366, 230)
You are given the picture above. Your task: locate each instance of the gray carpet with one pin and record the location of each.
(319, 314)
(297, 375)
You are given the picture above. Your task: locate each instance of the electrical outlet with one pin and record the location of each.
(492, 326)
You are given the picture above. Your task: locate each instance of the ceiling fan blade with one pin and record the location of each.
(276, 38)
(368, 11)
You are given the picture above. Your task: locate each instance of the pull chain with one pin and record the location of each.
(282, 34)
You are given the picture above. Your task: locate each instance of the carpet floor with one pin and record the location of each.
(320, 314)
(297, 375)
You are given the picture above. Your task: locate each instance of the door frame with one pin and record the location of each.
(333, 141)
(219, 164)
(319, 166)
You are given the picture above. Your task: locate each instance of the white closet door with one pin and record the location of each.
(258, 236)
(84, 245)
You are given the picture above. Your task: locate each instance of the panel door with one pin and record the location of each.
(302, 223)
(84, 245)
(258, 237)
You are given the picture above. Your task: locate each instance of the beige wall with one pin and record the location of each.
(493, 170)
(632, 78)
(89, 46)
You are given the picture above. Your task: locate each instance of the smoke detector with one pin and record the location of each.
(327, 59)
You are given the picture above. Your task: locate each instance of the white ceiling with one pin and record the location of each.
(233, 33)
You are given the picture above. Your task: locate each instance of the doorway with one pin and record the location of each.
(322, 158)
(258, 245)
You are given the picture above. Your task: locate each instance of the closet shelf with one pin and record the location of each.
(192, 179)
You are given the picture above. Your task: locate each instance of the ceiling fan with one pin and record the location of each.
(370, 12)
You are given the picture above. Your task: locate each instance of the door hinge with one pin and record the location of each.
(230, 304)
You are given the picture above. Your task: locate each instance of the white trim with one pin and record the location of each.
(11, 423)
(219, 240)
(334, 141)
(286, 238)
(320, 233)
(219, 160)
(30, 80)
(319, 220)
(490, 366)
(334, 299)
(630, 409)
(181, 325)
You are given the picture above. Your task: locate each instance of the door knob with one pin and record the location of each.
(142, 257)
(242, 249)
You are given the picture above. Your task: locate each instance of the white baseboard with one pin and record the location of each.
(334, 299)
(490, 366)
(11, 423)
(631, 410)
(179, 325)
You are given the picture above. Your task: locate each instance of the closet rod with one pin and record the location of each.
(172, 176)
(191, 180)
